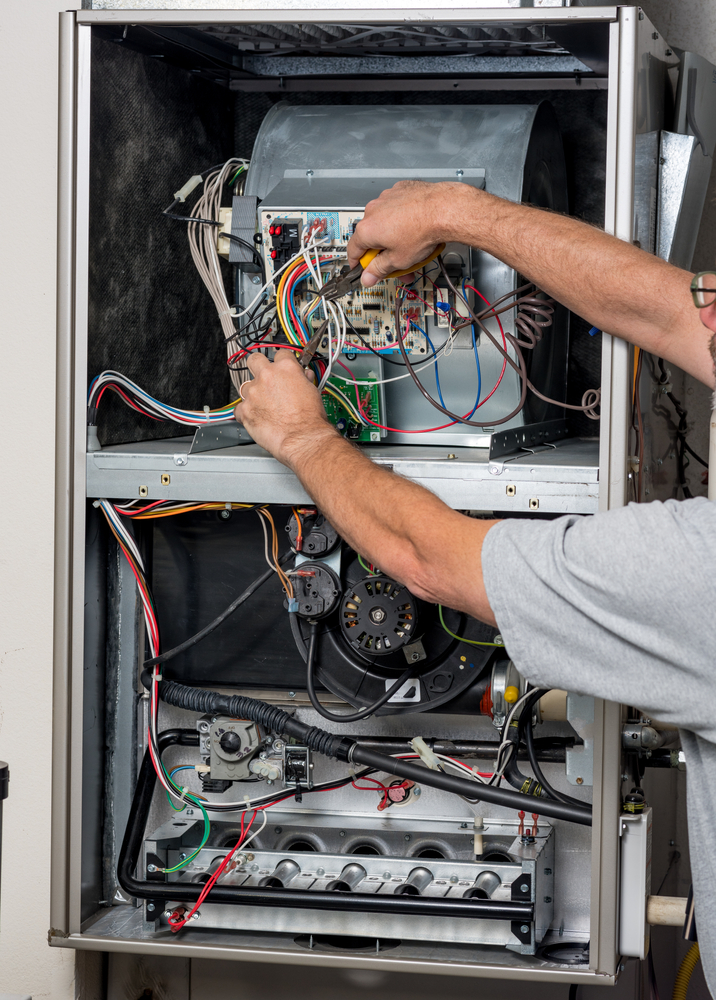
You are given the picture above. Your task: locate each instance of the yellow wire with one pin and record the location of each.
(681, 986)
(279, 300)
(344, 403)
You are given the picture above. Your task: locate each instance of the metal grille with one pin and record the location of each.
(399, 39)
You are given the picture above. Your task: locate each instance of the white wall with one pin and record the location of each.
(28, 181)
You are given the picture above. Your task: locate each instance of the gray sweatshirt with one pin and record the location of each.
(622, 606)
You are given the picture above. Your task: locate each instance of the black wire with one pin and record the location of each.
(327, 786)
(252, 250)
(353, 716)
(526, 715)
(226, 613)
(573, 991)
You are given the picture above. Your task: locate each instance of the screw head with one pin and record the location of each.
(255, 280)
(548, 899)
(292, 694)
(377, 615)
(309, 173)
(387, 876)
(580, 781)
(406, 837)
(151, 868)
(524, 929)
(224, 514)
(548, 871)
(416, 791)
(150, 907)
(414, 656)
(341, 833)
(459, 173)
(524, 888)
(182, 857)
(320, 872)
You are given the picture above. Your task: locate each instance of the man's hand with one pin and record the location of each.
(281, 408)
(406, 222)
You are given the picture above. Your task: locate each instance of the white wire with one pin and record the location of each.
(256, 832)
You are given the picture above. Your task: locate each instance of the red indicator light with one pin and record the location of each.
(272, 230)
(273, 255)
(277, 230)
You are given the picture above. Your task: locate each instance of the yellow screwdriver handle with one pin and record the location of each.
(370, 255)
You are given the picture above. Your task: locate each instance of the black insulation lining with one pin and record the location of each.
(150, 316)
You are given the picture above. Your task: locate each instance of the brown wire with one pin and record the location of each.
(590, 399)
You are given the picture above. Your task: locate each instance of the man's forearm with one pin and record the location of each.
(613, 285)
(399, 526)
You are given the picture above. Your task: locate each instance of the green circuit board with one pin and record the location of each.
(341, 417)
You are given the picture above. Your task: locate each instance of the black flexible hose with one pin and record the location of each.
(363, 713)
(226, 613)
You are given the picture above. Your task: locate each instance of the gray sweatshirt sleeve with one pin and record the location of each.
(620, 605)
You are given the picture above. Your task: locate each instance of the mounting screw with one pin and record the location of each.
(580, 781)
(672, 843)
(292, 694)
(181, 459)
(459, 173)
(309, 173)
(167, 914)
(341, 833)
(196, 915)
(548, 899)
(548, 871)
(150, 907)
(524, 888)
(151, 868)
(416, 791)
(255, 279)
(182, 857)
(463, 826)
(387, 876)
(524, 929)
(406, 837)
(451, 455)
(203, 727)
(414, 656)
(278, 829)
(189, 812)
(224, 514)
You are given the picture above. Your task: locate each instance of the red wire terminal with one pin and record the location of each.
(521, 829)
(535, 817)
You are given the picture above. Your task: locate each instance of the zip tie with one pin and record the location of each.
(207, 411)
(182, 797)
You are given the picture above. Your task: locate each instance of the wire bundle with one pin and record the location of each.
(203, 241)
(136, 397)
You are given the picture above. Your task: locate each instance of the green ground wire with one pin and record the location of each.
(189, 798)
(239, 171)
(471, 642)
(366, 568)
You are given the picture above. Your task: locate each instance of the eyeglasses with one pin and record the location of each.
(703, 289)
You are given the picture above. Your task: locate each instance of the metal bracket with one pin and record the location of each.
(580, 759)
(211, 438)
(528, 436)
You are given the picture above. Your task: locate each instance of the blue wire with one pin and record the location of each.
(184, 767)
(432, 351)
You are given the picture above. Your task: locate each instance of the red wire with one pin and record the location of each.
(177, 925)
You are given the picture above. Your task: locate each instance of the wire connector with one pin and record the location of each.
(425, 753)
(292, 605)
(183, 192)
